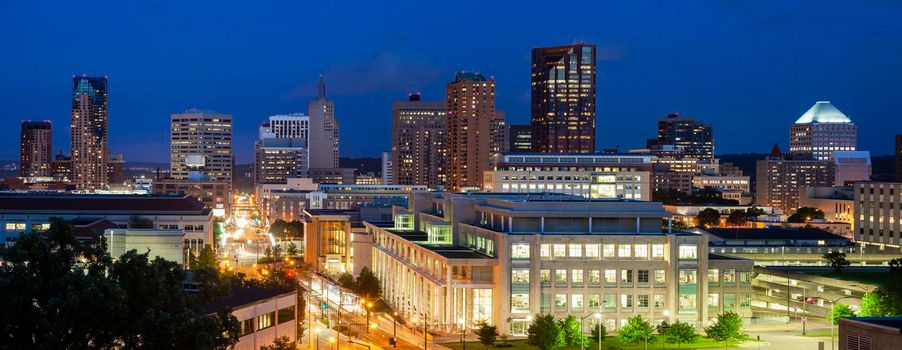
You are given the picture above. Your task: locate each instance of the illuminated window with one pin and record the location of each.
(576, 250)
(624, 250)
(520, 251)
(608, 250)
(688, 252)
(592, 251)
(559, 250)
(642, 251)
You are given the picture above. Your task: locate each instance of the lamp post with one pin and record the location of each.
(318, 329)
(666, 314)
(832, 326)
(463, 333)
(394, 329)
(333, 341)
(597, 315)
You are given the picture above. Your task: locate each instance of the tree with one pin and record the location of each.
(737, 218)
(487, 334)
(678, 333)
(60, 293)
(841, 311)
(218, 224)
(544, 333)
(278, 228)
(367, 284)
(837, 260)
(599, 332)
(573, 335)
(727, 328)
(890, 290)
(276, 252)
(136, 221)
(635, 331)
(708, 217)
(280, 343)
(805, 214)
(753, 211)
(206, 258)
(872, 305)
(292, 250)
(346, 280)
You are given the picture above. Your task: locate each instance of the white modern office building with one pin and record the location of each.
(586, 175)
(455, 260)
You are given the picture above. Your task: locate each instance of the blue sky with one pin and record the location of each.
(750, 68)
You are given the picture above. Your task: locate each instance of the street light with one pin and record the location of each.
(394, 329)
(332, 341)
(597, 315)
(318, 329)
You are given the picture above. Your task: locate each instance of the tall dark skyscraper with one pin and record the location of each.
(90, 136)
(35, 149)
(519, 137)
(563, 99)
(690, 137)
(418, 142)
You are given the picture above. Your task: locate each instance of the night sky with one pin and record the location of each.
(750, 68)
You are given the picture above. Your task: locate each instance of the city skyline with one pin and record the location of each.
(634, 89)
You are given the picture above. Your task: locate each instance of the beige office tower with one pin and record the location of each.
(201, 146)
(418, 142)
(471, 113)
(820, 132)
(89, 133)
(323, 142)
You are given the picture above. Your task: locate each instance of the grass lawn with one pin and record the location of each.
(609, 343)
(869, 277)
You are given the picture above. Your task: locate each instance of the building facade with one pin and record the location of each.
(519, 137)
(323, 141)
(878, 214)
(820, 132)
(779, 179)
(214, 194)
(586, 175)
(201, 146)
(471, 115)
(563, 99)
(419, 129)
(35, 149)
(689, 137)
(837, 203)
(388, 171)
(264, 314)
(459, 259)
(89, 133)
(22, 213)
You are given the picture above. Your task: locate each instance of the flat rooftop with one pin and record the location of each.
(785, 233)
(58, 202)
(455, 252)
(244, 296)
(891, 322)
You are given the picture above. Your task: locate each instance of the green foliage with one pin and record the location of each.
(60, 293)
(737, 218)
(218, 224)
(346, 280)
(678, 333)
(572, 331)
(727, 328)
(292, 250)
(805, 214)
(708, 217)
(599, 330)
(136, 221)
(891, 289)
(286, 230)
(487, 334)
(367, 284)
(873, 305)
(753, 211)
(636, 330)
(837, 260)
(205, 258)
(280, 343)
(544, 333)
(841, 311)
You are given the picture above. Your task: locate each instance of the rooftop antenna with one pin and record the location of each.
(321, 88)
